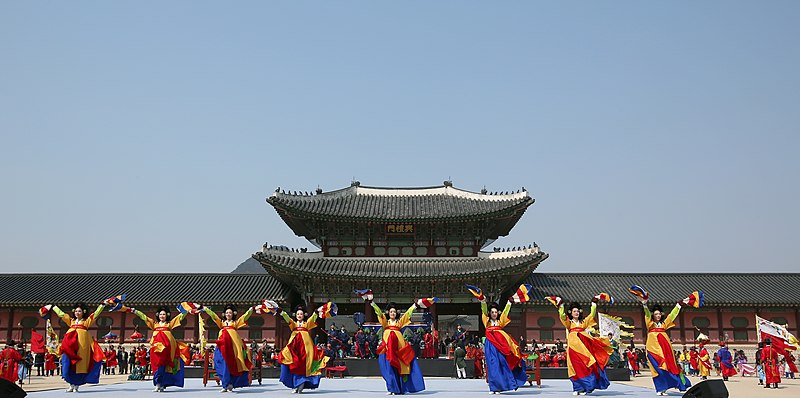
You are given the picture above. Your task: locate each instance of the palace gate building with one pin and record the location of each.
(405, 243)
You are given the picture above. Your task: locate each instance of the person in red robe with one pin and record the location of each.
(49, 364)
(141, 355)
(478, 364)
(770, 357)
(430, 347)
(111, 360)
(693, 360)
(9, 362)
(632, 361)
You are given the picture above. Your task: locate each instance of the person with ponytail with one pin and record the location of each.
(396, 358)
(81, 356)
(505, 368)
(167, 356)
(231, 357)
(660, 355)
(301, 361)
(587, 356)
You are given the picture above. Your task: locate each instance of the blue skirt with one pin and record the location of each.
(666, 380)
(166, 379)
(413, 382)
(225, 377)
(500, 376)
(292, 380)
(79, 379)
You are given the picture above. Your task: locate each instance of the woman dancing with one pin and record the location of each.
(301, 361)
(231, 358)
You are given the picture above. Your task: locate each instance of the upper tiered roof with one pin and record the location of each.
(361, 203)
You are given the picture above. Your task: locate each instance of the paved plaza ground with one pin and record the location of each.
(117, 387)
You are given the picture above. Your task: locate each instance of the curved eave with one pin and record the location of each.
(285, 209)
(306, 268)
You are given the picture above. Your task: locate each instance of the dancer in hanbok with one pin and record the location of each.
(396, 358)
(301, 361)
(505, 368)
(663, 367)
(231, 357)
(587, 356)
(81, 356)
(167, 356)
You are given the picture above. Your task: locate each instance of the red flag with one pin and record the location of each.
(37, 343)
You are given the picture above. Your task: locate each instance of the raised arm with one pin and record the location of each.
(563, 316)
(379, 313)
(242, 321)
(674, 313)
(90, 320)
(177, 319)
(147, 320)
(61, 314)
(484, 308)
(214, 317)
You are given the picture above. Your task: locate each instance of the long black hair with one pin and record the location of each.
(298, 308)
(165, 309)
(572, 306)
(82, 306)
(657, 307)
(496, 306)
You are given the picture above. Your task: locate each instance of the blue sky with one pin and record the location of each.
(145, 137)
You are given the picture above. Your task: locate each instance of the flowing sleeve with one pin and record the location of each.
(311, 323)
(176, 321)
(292, 324)
(61, 314)
(504, 315)
(90, 321)
(648, 316)
(563, 316)
(406, 318)
(379, 312)
(485, 314)
(590, 320)
(242, 321)
(214, 317)
(670, 322)
(150, 323)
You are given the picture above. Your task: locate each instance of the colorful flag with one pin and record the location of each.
(522, 295)
(188, 308)
(328, 310)
(427, 302)
(114, 300)
(37, 343)
(44, 312)
(696, 299)
(365, 294)
(613, 325)
(638, 291)
(605, 297)
(476, 291)
(51, 340)
(781, 338)
(555, 300)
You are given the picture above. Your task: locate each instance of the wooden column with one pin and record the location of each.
(719, 325)
(10, 324)
(683, 327)
(122, 327)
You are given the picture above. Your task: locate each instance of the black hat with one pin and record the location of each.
(768, 341)
(11, 343)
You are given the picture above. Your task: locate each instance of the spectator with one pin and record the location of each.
(461, 367)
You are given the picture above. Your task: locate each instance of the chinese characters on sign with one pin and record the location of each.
(399, 228)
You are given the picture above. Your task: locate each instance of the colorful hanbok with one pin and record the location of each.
(301, 361)
(81, 356)
(167, 356)
(396, 357)
(587, 356)
(231, 357)
(505, 368)
(703, 361)
(663, 367)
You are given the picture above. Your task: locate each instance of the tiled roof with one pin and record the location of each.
(388, 268)
(400, 204)
(141, 289)
(719, 289)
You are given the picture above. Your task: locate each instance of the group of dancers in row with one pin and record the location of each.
(302, 362)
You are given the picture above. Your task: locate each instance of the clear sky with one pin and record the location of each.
(145, 137)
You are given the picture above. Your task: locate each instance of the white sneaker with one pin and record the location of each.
(575, 393)
(230, 387)
(71, 388)
(157, 389)
(76, 389)
(223, 389)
